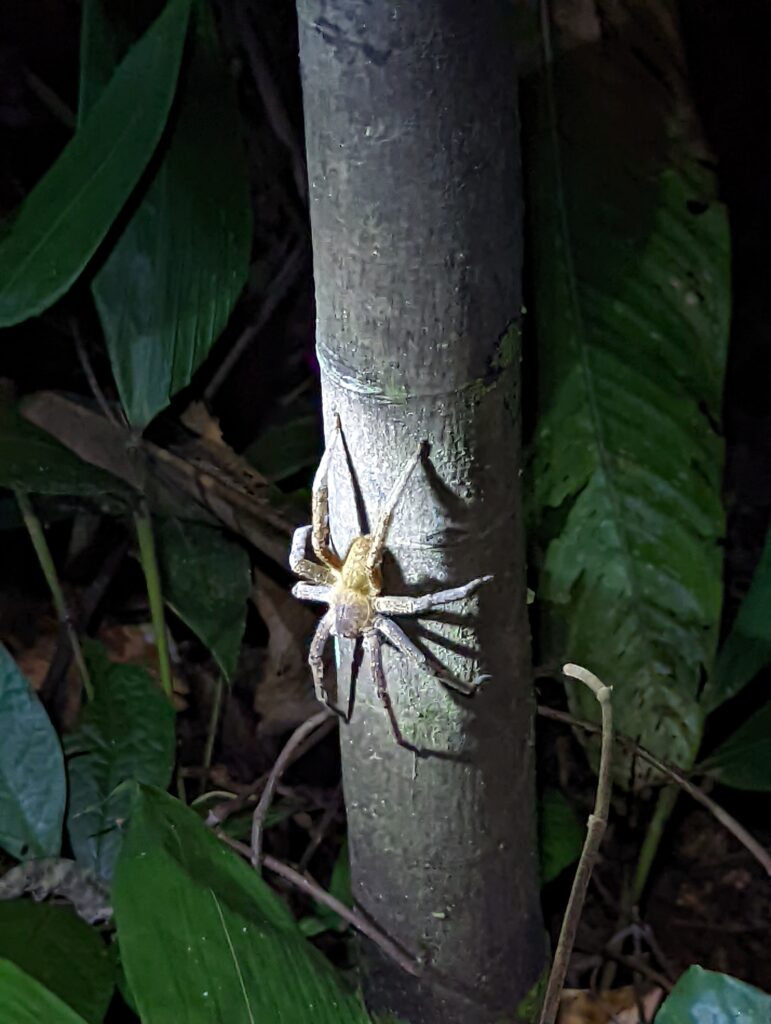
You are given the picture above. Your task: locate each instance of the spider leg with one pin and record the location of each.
(320, 503)
(372, 646)
(316, 661)
(375, 556)
(418, 605)
(302, 566)
(396, 635)
(312, 592)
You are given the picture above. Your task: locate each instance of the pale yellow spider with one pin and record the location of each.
(351, 587)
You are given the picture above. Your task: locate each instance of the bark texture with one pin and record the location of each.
(411, 133)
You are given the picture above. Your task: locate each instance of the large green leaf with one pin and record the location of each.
(631, 277)
(744, 760)
(23, 1000)
(206, 581)
(167, 288)
(204, 939)
(60, 951)
(125, 734)
(32, 460)
(706, 997)
(32, 788)
(62, 221)
(747, 648)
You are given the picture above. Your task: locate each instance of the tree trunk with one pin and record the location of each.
(411, 128)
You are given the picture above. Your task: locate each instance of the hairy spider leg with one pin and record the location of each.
(320, 503)
(302, 566)
(372, 647)
(312, 592)
(417, 605)
(316, 661)
(377, 546)
(396, 635)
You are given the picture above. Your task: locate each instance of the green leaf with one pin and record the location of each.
(325, 918)
(63, 220)
(747, 648)
(60, 951)
(206, 581)
(744, 760)
(167, 288)
(32, 789)
(204, 939)
(23, 1000)
(631, 269)
(706, 997)
(33, 461)
(125, 734)
(561, 834)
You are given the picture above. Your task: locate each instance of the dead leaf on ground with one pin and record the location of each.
(616, 1006)
(283, 696)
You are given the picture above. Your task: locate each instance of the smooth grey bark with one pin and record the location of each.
(412, 142)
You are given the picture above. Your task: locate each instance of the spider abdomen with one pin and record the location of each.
(353, 613)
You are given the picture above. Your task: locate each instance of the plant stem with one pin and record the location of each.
(727, 820)
(211, 734)
(283, 759)
(664, 807)
(594, 833)
(43, 552)
(149, 560)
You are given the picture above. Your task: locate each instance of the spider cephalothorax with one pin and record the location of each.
(351, 588)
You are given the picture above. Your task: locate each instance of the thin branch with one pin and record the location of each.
(278, 769)
(312, 888)
(594, 833)
(149, 560)
(214, 719)
(275, 293)
(88, 370)
(738, 831)
(44, 557)
(272, 100)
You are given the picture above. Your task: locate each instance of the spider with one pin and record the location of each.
(351, 587)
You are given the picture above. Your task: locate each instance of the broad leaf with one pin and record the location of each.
(33, 461)
(340, 887)
(631, 277)
(706, 997)
(204, 939)
(23, 1000)
(560, 832)
(125, 734)
(167, 288)
(747, 648)
(63, 220)
(744, 760)
(206, 581)
(63, 953)
(32, 789)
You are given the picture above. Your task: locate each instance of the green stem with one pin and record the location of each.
(43, 552)
(664, 807)
(211, 734)
(149, 560)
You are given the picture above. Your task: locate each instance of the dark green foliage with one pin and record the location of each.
(206, 581)
(59, 226)
(632, 300)
(32, 787)
(126, 734)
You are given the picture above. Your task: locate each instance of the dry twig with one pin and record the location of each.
(594, 833)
